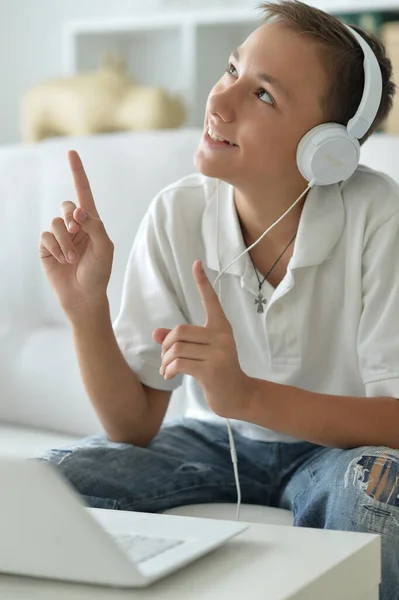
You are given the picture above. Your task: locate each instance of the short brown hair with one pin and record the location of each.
(342, 56)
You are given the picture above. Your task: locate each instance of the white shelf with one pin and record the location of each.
(165, 18)
(353, 6)
(186, 52)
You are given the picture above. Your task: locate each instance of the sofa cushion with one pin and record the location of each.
(42, 386)
(28, 442)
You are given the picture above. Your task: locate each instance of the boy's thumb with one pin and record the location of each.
(91, 225)
(159, 334)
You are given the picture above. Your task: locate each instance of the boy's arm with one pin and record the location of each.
(129, 411)
(337, 421)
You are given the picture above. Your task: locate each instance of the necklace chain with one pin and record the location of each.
(260, 299)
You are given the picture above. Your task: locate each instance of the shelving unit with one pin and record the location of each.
(184, 52)
(352, 6)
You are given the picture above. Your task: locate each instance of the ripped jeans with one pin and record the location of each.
(189, 462)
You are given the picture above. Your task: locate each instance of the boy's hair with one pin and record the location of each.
(342, 57)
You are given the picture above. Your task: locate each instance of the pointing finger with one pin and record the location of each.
(215, 316)
(82, 185)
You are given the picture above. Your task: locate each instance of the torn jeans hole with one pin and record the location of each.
(378, 476)
(193, 468)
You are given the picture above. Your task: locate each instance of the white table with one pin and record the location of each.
(266, 562)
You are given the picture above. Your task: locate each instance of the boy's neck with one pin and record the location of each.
(258, 211)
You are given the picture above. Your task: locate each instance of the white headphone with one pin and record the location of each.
(330, 153)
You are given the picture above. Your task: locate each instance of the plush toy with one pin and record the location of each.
(95, 102)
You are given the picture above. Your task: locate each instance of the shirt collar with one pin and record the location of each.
(320, 227)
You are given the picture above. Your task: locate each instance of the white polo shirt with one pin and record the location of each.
(331, 326)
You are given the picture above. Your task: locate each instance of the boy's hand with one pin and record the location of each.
(77, 253)
(207, 353)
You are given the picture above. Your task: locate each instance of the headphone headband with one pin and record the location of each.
(372, 92)
(330, 153)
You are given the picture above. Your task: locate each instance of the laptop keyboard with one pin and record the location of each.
(141, 548)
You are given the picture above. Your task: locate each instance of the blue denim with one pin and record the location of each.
(189, 462)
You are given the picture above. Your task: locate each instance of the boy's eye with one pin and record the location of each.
(269, 99)
(231, 68)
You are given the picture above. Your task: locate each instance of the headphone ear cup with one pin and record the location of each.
(327, 155)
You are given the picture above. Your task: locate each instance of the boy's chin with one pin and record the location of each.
(210, 169)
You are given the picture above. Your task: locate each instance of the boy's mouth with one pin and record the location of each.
(217, 138)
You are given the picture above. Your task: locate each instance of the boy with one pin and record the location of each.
(300, 346)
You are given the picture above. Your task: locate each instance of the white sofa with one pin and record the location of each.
(42, 400)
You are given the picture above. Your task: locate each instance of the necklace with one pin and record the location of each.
(261, 300)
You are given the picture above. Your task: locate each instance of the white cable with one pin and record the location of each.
(234, 460)
(233, 452)
(311, 184)
(231, 438)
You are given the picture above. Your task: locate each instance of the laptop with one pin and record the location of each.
(46, 531)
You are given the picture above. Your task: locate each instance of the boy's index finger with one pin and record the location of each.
(82, 185)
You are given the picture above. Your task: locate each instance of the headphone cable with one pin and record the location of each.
(233, 452)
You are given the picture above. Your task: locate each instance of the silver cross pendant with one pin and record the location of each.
(260, 301)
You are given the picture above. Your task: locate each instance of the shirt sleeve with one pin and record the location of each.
(151, 298)
(378, 336)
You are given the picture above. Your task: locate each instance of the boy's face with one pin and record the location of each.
(265, 119)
